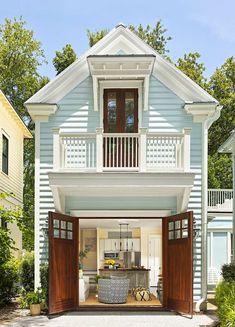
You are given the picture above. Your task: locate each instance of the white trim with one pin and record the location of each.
(37, 208)
(202, 111)
(115, 84)
(120, 213)
(41, 112)
(114, 41)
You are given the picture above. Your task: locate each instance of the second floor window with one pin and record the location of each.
(5, 154)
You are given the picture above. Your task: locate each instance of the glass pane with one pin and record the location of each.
(177, 224)
(70, 235)
(70, 226)
(56, 223)
(112, 112)
(56, 233)
(63, 234)
(129, 112)
(63, 224)
(184, 233)
(171, 236)
(184, 223)
(171, 225)
(178, 234)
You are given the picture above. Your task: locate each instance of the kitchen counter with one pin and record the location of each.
(137, 277)
(124, 269)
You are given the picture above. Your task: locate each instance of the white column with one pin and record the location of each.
(36, 207)
(142, 149)
(99, 149)
(56, 148)
(186, 149)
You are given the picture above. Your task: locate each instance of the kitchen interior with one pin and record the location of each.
(120, 248)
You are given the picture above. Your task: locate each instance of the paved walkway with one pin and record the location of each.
(74, 319)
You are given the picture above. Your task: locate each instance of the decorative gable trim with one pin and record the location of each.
(121, 39)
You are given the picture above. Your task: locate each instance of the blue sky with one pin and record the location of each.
(205, 26)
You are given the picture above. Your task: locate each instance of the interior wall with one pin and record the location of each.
(145, 234)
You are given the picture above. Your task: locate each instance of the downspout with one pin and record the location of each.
(201, 303)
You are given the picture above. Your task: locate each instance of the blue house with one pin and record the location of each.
(121, 171)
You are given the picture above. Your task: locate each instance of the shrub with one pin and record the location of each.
(8, 279)
(225, 300)
(30, 298)
(27, 272)
(228, 272)
(44, 280)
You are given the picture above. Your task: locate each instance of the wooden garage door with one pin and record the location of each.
(178, 262)
(63, 263)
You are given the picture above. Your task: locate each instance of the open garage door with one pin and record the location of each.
(178, 262)
(63, 263)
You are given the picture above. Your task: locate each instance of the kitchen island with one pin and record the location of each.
(138, 277)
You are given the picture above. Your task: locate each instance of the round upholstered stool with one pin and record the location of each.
(143, 295)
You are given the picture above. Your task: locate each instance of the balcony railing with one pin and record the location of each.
(141, 151)
(220, 200)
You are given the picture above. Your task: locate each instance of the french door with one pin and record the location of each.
(121, 122)
(178, 262)
(63, 263)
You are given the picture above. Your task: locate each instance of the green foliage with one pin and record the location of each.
(153, 36)
(222, 85)
(228, 272)
(20, 56)
(8, 216)
(8, 280)
(27, 272)
(219, 171)
(225, 300)
(64, 58)
(44, 276)
(94, 37)
(30, 298)
(190, 66)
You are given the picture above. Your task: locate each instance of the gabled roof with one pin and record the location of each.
(118, 41)
(14, 114)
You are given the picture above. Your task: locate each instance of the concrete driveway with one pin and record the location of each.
(75, 319)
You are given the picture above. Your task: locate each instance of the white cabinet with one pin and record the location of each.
(134, 244)
(115, 245)
(108, 245)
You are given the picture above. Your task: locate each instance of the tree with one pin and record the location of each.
(219, 171)
(20, 57)
(64, 58)
(94, 37)
(190, 66)
(153, 36)
(222, 85)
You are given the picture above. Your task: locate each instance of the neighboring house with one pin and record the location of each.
(121, 168)
(221, 218)
(12, 134)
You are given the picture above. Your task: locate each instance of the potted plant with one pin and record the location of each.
(110, 262)
(82, 256)
(34, 300)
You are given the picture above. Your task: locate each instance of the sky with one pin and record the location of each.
(205, 26)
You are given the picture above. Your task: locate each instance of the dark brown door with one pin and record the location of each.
(63, 263)
(178, 262)
(120, 116)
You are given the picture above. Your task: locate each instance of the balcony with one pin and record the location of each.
(108, 152)
(220, 200)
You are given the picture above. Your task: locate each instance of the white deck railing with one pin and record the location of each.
(220, 200)
(141, 151)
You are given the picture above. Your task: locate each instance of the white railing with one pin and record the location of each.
(220, 200)
(141, 151)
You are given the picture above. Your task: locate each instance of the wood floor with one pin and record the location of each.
(92, 300)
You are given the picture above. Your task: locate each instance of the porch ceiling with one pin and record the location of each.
(119, 184)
